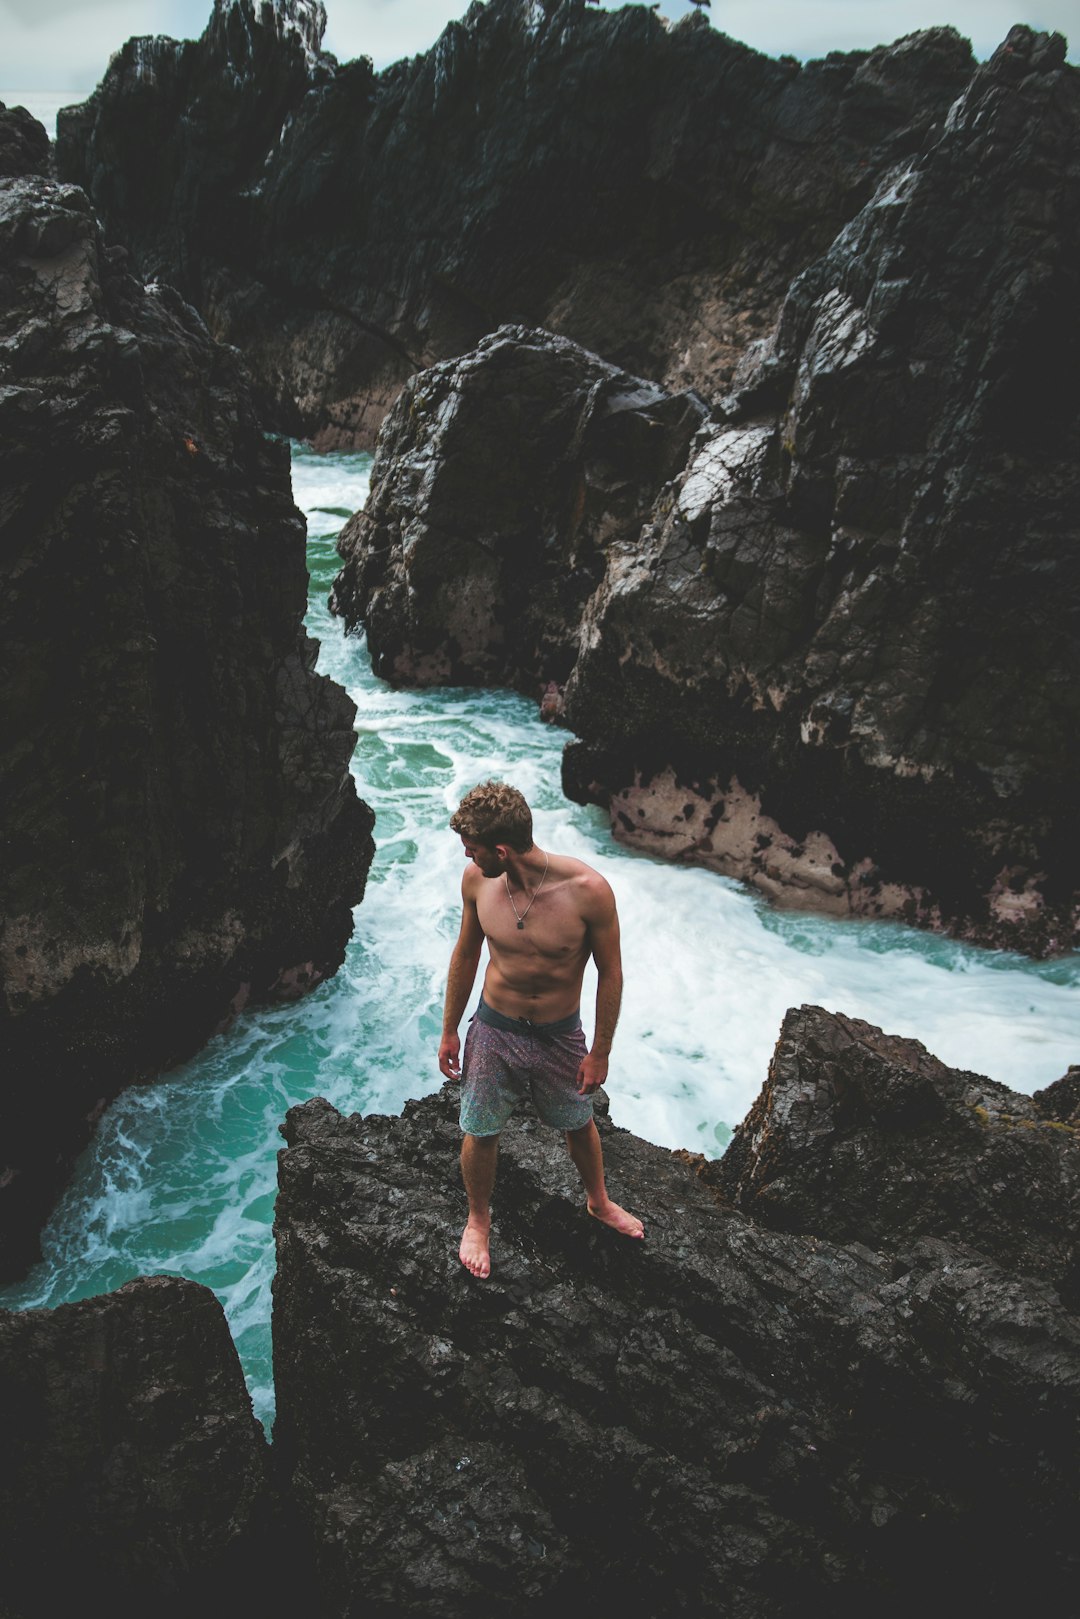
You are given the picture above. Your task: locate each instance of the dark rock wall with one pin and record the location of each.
(724, 1418)
(180, 830)
(135, 1478)
(647, 191)
(875, 632)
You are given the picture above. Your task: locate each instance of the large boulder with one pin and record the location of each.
(181, 833)
(721, 1418)
(135, 1479)
(648, 190)
(24, 142)
(863, 1137)
(501, 482)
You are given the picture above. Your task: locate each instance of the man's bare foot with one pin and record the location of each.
(473, 1252)
(627, 1225)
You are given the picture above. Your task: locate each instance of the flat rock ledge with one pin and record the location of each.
(727, 1418)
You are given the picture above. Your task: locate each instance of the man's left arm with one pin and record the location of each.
(603, 924)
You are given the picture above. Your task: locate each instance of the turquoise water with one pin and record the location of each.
(181, 1176)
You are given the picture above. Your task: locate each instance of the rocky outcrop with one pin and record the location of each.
(727, 1416)
(501, 482)
(24, 142)
(646, 190)
(838, 656)
(863, 1137)
(135, 1477)
(181, 834)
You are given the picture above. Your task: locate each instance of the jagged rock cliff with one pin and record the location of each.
(845, 651)
(839, 656)
(646, 190)
(724, 1418)
(180, 830)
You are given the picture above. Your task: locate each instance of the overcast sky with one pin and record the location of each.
(66, 44)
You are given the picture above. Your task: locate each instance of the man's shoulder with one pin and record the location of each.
(472, 881)
(593, 890)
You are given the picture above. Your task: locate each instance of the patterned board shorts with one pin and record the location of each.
(508, 1059)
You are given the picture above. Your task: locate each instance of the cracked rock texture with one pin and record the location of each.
(134, 1472)
(724, 1418)
(646, 190)
(181, 834)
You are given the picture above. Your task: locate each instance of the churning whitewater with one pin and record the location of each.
(181, 1176)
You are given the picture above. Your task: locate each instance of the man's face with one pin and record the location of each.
(489, 861)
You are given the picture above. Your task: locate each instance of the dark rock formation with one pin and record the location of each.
(839, 658)
(135, 1478)
(501, 482)
(725, 1418)
(862, 1137)
(24, 143)
(862, 677)
(180, 831)
(646, 190)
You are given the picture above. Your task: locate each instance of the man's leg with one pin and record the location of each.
(588, 1156)
(479, 1155)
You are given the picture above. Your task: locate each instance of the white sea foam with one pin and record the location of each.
(181, 1177)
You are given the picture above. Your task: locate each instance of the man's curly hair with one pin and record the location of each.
(495, 813)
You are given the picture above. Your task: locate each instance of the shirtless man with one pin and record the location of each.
(543, 916)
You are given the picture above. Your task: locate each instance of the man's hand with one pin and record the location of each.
(592, 1074)
(449, 1056)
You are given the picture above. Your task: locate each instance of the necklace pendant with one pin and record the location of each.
(521, 926)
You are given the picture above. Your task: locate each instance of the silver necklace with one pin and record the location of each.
(521, 915)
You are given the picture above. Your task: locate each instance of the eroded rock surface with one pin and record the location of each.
(722, 1418)
(181, 833)
(646, 190)
(135, 1477)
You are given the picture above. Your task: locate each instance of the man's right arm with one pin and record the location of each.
(463, 964)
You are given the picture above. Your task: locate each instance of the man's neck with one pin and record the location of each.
(527, 870)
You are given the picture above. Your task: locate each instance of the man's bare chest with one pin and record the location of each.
(549, 927)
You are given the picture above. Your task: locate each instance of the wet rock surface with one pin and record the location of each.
(135, 1477)
(647, 191)
(725, 1417)
(181, 834)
